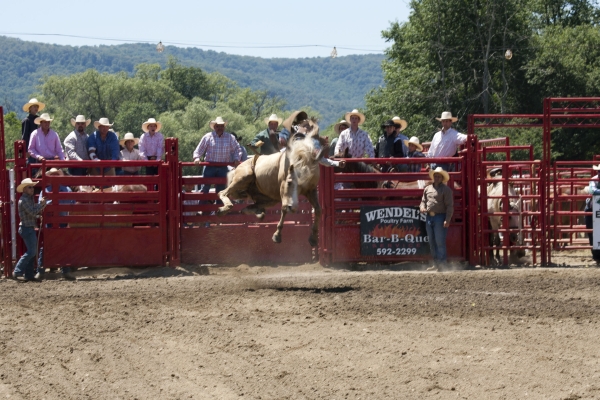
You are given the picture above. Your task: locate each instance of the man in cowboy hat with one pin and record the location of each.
(271, 140)
(355, 139)
(44, 143)
(28, 125)
(446, 141)
(130, 154)
(28, 214)
(152, 143)
(217, 146)
(337, 129)
(594, 190)
(76, 144)
(391, 144)
(414, 151)
(438, 203)
(103, 144)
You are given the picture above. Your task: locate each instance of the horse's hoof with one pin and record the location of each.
(277, 238)
(222, 211)
(313, 241)
(260, 215)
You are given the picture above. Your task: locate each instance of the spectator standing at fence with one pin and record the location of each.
(217, 146)
(337, 129)
(438, 204)
(103, 144)
(446, 141)
(415, 150)
(594, 190)
(355, 139)
(152, 143)
(76, 144)
(244, 152)
(391, 144)
(28, 213)
(66, 271)
(271, 140)
(44, 143)
(28, 125)
(129, 153)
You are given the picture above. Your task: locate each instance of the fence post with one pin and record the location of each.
(174, 204)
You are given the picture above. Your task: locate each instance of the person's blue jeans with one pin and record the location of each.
(437, 237)
(214, 172)
(25, 265)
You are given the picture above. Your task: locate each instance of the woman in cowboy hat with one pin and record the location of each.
(446, 141)
(130, 154)
(28, 213)
(152, 143)
(270, 140)
(355, 139)
(76, 144)
(28, 125)
(594, 190)
(414, 151)
(438, 204)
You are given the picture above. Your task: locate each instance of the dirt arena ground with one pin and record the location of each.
(305, 332)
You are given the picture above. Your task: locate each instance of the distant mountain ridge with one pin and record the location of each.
(330, 86)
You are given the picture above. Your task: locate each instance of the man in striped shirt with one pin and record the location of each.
(217, 146)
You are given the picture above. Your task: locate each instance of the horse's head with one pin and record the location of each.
(289, 191)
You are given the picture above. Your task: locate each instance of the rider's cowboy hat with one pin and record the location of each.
(149, 122)
(217, 121)
(80, 118)
(272, 118)
(440, 170)
(447, 115)
(400, 123)
(336, 127)
(414, 141)
(358, 114)
(33, 102)
(294, 119)
(25, 182)
(129, 136)
(103, 122)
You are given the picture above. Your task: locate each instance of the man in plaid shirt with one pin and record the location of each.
(217, 146)
(355, 139)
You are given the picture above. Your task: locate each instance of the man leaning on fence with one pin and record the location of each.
(446, 141)
(438, 204)
(76, 144)
(103, 144)
(152, 143)
(44, 143)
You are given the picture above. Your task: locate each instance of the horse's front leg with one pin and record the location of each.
(277, 234)
(227, 204)
(314, 202)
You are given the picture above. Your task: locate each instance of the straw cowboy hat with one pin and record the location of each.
(596, 168)
(403, 124)
(217, 121)
(336, 127)
(129, 136)
(494, 171)
(54, 171)
(25, 182)
(151, 121)
(80, 118)
(294, 118)
(43, 117)
(103, 122)
(358, 114)
(447, 115)
(34, 102)
(414, 141)
(272, 118)
(439, 170)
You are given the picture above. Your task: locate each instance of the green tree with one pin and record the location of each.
(188, 81)
(12, 133)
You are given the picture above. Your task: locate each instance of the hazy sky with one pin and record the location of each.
(235, 27)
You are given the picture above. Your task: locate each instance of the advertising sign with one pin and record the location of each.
(596, 219)
(392, 231)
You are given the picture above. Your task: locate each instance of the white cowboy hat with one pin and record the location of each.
(336, 127)
(273, 117)
(447, 115)
(25, 182)
(217, 121)
(34, 102)
(440, 170)
(151, 121)
(43, 117)
(596, 168)
(128, 136)
(80, 118)
(54, 171)
(102, 121)
(403, 124)
(414, 141)
(358, 114)
(294, 119)
(494, 171)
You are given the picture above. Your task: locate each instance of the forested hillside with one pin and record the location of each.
(330, 86)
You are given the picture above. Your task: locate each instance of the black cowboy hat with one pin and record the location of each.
(389, 122)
